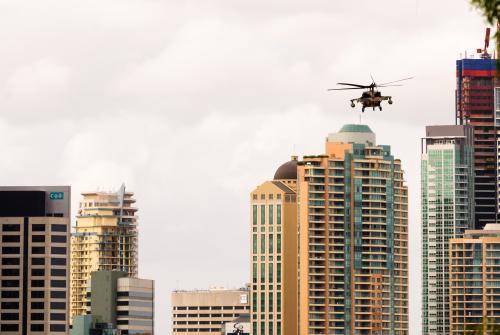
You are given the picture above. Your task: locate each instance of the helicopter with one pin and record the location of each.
(372, 97)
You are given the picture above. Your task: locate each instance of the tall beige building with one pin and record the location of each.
(475, 279)
(105, 238)
(353, 244)
(273, 254)
(205, 312)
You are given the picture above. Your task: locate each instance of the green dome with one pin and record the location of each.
(355, 128)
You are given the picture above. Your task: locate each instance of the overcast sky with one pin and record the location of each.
(194, 103)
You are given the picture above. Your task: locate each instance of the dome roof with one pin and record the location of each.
(355, 128)
(287, 170)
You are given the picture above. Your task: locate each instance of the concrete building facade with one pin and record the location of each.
(135, 306)
(35, 227)
(273, 254)
(475, 280)
(447, 176)
(105, 238)
(205, 312)
(353, 238)
(117, 304)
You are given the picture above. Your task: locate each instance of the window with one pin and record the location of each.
(58, 261)
(11, 238)
(58, 272)
(57, 294)
(10, 283)
(254, 243)
(37, 272)
(37, 294)
(58, 239)
(254, 215)
(37, 250)
(38, 261)
(37, 238)
(270, 272)
(278, 214)
(59, 227)
(278, 243)
(262, 302)
(262, 272)
(10, 272)
(10, 294)
(37, 316)
(38, 227)
(11, 227)
(57, 316)
(58, 250)
(270, 243)
(10, 250)
(37, 305)
(10, 316)
(271, 216)
(254, 273)
(10, 305)
(37, 283)
(262, 243)
(58, 283)
(262, 215)
(10, 261)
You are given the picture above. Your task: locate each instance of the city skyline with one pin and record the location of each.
(80, 106)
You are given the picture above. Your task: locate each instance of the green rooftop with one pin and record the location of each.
(355, 128)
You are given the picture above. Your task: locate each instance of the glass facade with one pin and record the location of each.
(447, 181)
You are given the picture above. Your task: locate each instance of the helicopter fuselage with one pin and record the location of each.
(371, 98)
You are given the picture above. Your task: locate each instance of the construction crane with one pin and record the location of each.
(484, 52)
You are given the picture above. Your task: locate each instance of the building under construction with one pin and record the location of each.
(105, 238)
(476, 105)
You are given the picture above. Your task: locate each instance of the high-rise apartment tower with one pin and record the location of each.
(447, 175)
(476, 84)
(35, 226)
(105, 238)
(474, 281)
(353, 244)
(273, 254)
